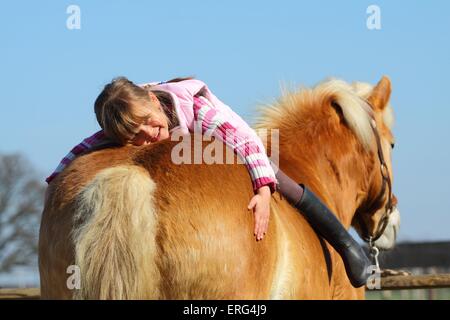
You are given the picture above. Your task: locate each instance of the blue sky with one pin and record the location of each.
(50, 75)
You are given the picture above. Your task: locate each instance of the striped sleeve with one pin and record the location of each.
(84, 146)
(214, 123)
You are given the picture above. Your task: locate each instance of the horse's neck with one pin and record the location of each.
(337, 188)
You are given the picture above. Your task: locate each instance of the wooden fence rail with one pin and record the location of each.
(20, 294)
(387, 283)
(429, 281)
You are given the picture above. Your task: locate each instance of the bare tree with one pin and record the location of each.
(21, 201)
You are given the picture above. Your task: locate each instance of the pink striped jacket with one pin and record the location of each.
(196, 105)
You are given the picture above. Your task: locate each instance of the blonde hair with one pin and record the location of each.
(115, 105)
(113, 109)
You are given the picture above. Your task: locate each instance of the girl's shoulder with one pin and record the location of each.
(179, 86)
(187, 88)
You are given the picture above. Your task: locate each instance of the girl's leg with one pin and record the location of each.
(328, 226)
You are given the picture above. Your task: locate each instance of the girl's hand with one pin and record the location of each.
(260, 202)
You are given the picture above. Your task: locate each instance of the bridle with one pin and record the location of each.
(386, 181)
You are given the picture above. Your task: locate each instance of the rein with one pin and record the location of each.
(386, 181)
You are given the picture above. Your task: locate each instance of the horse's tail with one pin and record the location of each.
(115, 247)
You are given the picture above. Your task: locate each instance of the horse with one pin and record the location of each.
(130, 223)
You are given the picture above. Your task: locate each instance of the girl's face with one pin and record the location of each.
(155, 128)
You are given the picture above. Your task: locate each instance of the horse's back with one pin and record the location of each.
(206, 237)
(203, 235)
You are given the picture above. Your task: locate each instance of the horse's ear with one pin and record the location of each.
(380, 94)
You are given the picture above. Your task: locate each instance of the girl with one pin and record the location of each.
(139, 115)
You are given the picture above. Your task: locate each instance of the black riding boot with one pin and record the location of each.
(328, 226)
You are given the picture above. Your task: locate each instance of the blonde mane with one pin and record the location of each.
(291, 108)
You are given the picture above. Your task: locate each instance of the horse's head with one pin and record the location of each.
(377, 218)
(337, 138)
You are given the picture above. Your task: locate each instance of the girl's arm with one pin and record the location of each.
(84, 146)
(243, 141)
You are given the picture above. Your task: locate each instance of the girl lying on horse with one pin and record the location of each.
(144, 114)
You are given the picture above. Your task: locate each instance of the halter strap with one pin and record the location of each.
(386, 180)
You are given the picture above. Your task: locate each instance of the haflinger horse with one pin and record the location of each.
(136, 225)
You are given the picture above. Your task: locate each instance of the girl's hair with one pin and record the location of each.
(114, 107)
